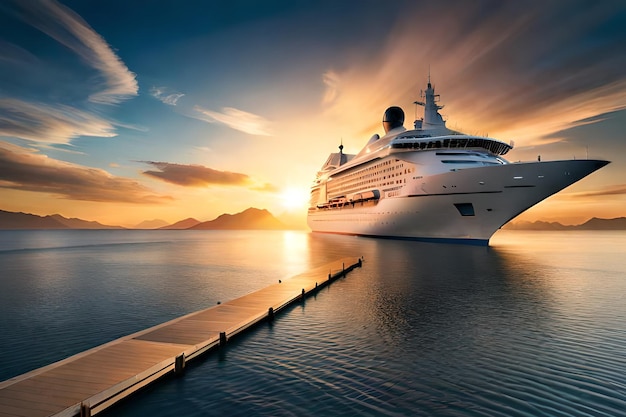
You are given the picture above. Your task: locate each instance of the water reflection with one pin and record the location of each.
(519, 328)
(421, 329)
(437, 293)
(492, 329)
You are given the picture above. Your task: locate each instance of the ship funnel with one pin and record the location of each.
(393, 118)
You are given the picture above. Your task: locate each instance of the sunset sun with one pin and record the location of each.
(293, 198)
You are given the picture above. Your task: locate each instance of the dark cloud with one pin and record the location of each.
(600, 132)
(499, 66)
(30, 171)
(556, 53)
(196, 175)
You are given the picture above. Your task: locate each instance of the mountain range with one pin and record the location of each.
(248, 219)
(12, 220)
(594, 223)
(251, 218)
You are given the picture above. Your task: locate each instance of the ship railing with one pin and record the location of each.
(338, 203)
(494, 146)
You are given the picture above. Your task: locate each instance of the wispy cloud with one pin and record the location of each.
(611, 190)
(203, 149)
(53, 117)
(606, 125)
(28, 170)
(68, 28)
(49, 123)
(507, 70)
(201, 176)
(331, 81)
(16, 55)
(266, 188)
(235, 119)
(195, 175)
(165, 95)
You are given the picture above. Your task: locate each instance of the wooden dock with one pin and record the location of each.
(89, 382)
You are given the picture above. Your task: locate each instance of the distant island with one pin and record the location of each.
(12, 220)
(182, 224)
(594, 223)
(249, 219)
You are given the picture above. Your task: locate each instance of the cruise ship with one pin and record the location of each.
(432, 183)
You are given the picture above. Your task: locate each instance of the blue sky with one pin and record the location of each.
(122, 111)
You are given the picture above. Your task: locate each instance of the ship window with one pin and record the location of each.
(465, 209)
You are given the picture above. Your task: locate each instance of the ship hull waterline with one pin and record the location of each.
(465, 206)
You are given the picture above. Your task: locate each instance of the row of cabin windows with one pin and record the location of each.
(371, 176)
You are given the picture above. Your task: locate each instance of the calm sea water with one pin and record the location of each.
(534, 325)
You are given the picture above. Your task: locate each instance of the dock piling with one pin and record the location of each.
(85, 410)
(179, 364)
(223, 339)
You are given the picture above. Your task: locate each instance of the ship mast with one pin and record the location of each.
(432, 118)
(342, 157)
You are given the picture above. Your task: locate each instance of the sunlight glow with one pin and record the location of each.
(293, 198)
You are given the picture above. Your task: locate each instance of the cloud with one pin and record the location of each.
(44, 123)
(195, 175)
(68, 28)
(16, 56)
(506, 69)
(609, 125)
(165, 95)
(58, 123)
(27, 170)
(610, 190)
(266, 188)
(203, 148)
(331, 80)
(235, 119)
(201, 176)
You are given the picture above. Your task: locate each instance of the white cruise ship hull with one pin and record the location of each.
(467, 205)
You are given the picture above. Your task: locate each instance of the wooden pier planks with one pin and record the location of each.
(95, 379)
(79, 378)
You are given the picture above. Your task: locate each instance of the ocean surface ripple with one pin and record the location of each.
(531, 326)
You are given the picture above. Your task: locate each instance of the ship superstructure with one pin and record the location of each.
(431, 182)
